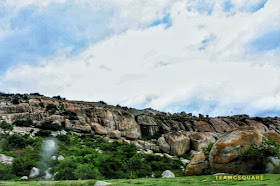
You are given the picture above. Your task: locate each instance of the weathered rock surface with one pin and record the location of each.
(77, 125)
(224, 153)
(34, 173)
(6, 159)
(273, 166)
(168, 174)
(116, 134)
(272, 135)
(197, 164)
(200, 140)
(163, 145)
(179, 142)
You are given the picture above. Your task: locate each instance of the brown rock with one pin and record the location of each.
(200, 140)
(178, 142)
(203, 126)
(77, 125)
(261, 127)
(99, 129)
(163, 145)
(219, 125)
(115, 134)
(197, 164)
(132, 135)
(224, 153)
(272, 135)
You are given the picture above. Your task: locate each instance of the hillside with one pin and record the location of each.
(237, 144)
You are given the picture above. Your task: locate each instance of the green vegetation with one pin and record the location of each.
(51, 108)
(86, 157)
(70, 115)
(6, 127)
(49, 125)
(23, 123)
(268, 179)
(260, 154)
(206, 150)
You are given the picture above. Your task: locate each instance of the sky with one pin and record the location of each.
(215, 57)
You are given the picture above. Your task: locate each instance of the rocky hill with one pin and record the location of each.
(174, 134)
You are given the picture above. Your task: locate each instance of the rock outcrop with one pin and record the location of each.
(197, 164)
(224, 153)
(179, 142)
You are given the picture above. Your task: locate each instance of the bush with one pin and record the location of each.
(6, 126)
(14, 141)
(86, 171)
(70, 115)
(206, 150)
(43, 133)
(49, 125)
(259, 154)
(16, 100)
(51, 108)
(23, 123)
(22, 165)
(63, 138)
(6, 172)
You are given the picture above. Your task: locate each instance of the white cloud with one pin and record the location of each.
(158, 67)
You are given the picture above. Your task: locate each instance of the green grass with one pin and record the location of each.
(268, 179)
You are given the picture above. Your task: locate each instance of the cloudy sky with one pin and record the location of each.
(216, 57)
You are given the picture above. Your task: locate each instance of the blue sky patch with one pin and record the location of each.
(268, 40)
(38, 34)
(164, 20)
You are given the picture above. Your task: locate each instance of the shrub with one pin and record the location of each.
(66, 169)
(6, 172)
(86, 171)
(51, 108)
(6, 126)
(206, 150)
(14, 141)
(64, 138)
(43, 133)
(22, 165)
(23, 123)
(259, 154)
(70, 115)
(16, 100)
(49, 125)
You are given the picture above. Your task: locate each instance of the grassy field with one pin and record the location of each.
(268, 179)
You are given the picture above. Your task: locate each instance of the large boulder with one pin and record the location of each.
(224, 153)
(148, 125)
(168, 174)
(197, 164)
(179, 142)
(6, 159)
(200, 140)
(273, 166)
(34, 173)
(163, 145)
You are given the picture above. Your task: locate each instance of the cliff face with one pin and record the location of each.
(141, 123)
